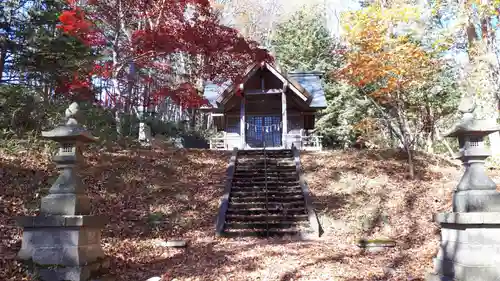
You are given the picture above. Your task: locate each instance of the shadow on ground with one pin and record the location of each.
(152, 196)
(368, 194)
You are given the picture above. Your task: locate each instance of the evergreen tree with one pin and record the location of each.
(304, 43)
(38, 55)
(36, 61)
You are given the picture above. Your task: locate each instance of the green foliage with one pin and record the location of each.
(346, 108)
(24, 114)
(303, 43)
(19, 111)
(39, 51)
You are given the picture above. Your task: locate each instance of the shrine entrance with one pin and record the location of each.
(263, 131)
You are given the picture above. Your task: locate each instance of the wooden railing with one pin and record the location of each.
(223, 142)
(312, 142)
(218, 143)
(308, 143)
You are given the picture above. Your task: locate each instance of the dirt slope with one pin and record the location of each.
(152, 196)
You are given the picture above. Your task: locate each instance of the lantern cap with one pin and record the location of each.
(72, 130)
(473, 127)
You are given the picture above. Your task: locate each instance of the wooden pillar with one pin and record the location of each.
(242, 123)
(284, 117)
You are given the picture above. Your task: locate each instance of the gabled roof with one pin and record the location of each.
(311, 81)
(307, 85)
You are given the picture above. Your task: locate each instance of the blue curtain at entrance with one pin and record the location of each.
(263, 130)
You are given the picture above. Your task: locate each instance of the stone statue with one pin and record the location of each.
(466, 108)
(72, 114)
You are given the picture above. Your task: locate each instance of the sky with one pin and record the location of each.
(333, 9)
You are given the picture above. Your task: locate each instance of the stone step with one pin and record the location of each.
(268, 172)
(292, 211)
(258, 179)
(263, 190)
(263, 170)
(269, 156)
(266, 161)
(260, 218)
(266, 152)
(268, 177)
(249, 199)
(264, 166)
(263, 193)
(292, 232)
(270, 186)
(263, 225)
(265, 174)
(244, 183)
(255, 162)
(270, 205)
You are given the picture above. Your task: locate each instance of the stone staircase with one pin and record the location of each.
(266, 198)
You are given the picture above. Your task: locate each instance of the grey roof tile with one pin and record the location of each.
(311, 81)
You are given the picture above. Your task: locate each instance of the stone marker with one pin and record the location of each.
(176, 243)
(63, 242)
(470, 234)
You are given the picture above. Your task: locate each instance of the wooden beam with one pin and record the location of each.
(283, 79)
(284, 116)
(229, 92)
(242, 123)
(265, 92)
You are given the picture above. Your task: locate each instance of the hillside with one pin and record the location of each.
(156, 195)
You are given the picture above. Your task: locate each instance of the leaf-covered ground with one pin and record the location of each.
(151, 196)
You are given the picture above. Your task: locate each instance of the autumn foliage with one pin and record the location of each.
(382, 62)
(141, 37)
(390, 67)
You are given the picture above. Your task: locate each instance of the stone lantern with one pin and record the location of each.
(63, 241)
(475, 192)
(470, 234)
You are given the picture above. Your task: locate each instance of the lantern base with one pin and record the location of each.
(63, 247)
(469, 247)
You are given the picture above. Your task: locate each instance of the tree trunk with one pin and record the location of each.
(3, 58)
(118, 113)
(193, 119)
(428, 143)
(411, 167)
(429, 129)
(406, 138)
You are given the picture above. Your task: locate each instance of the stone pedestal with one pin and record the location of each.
(469, 248)
(63, 242)
(470, 234)
(63, 247)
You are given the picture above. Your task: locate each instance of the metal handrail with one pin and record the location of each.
(266, 190)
